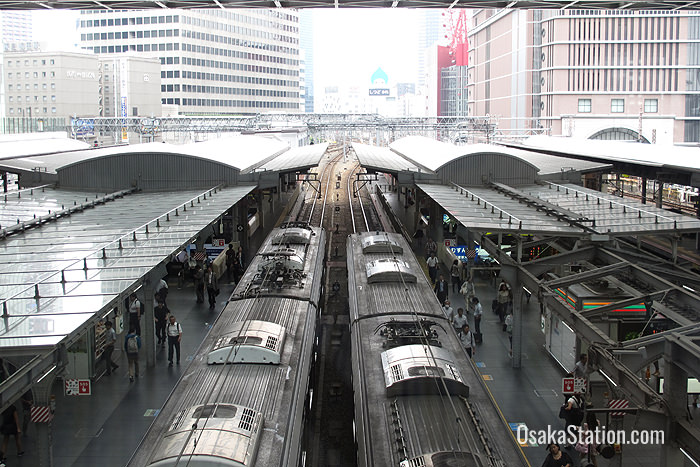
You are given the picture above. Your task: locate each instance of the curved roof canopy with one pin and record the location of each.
(630, 152)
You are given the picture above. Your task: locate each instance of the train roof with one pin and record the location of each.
(407, 358)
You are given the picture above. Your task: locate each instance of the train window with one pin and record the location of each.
(214, 411)
(431, 371)
(246, 340)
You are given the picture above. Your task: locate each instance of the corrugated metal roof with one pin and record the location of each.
(57, 276)
(654, 155)
(241, 151)
(554, 209)
(303, 157)
(28, 144)
(553, 165)
(427, 153)
(382, 159)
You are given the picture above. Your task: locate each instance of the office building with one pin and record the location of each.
(603, 74)
(212, 61)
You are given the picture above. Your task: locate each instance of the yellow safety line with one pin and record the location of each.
(498, 408)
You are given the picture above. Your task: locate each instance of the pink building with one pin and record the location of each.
(587, 73)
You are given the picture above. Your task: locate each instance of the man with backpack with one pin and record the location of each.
(132, 345)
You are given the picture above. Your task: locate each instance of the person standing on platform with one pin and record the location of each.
(459, 320)
(10, 427)
(467, 290)
(241, 259)
(160, 314)
(199, 283)
(430, 248)
(132, 345)
(557, 457)
(432, 263)
(509, 330)
(503, 298)
(230, 262)
(447, 309)
(174, 332)
(478, 311)
(212, 284)
(27, 403)
(161, 292)
(441, 289)
(110, 341)
(135, 313)
(467, 339)
(455, 276)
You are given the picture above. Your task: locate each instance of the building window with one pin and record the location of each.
(51, 62)
(45, 110)
(53, 110)
(651, 106)
(53, 98)
(617, 105)
(584, 105)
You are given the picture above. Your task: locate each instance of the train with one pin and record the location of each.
(245, 397)
(419, 400)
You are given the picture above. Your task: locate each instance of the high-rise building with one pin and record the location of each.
(212, 61)
(604, 74)
(306, 39)
(16, 26)
(431, 31)
(50, 84)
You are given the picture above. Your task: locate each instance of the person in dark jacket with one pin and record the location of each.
(557, 457)
(212, 284)
(441, 289)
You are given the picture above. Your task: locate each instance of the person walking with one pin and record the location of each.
(455, 276)
(503, 301)
(430, 248)
(432, 263)
(509, 330)
(174, 332)
(161, 292)
(27, 403)
(441, 289)
(478, 311)
(132, 345)
(110, 340)
(467, 290)
(198, 278)
(160, 314)
(135, 313)
(467, 339)
(447, 309)
(459, 320)
(10, 427)
(557, 457)
(230, 262)
(212, 284)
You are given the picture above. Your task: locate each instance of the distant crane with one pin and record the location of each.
(456, 27)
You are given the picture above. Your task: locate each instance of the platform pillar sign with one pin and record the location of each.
(218, 242)
(573, 385)
(78, 387)
(448, 243)
(567, 385)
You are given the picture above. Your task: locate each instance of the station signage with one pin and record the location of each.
(379, 92)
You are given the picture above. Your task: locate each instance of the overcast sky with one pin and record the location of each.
(350, 44)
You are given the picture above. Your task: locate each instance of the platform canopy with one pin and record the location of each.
(554, 209)
(58, 277)
(294, 159)
(383, 159)
(272, 4)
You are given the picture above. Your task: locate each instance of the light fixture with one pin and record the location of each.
(607, 378)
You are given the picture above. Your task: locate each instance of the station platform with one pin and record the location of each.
(106, 427)
(530, 394)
